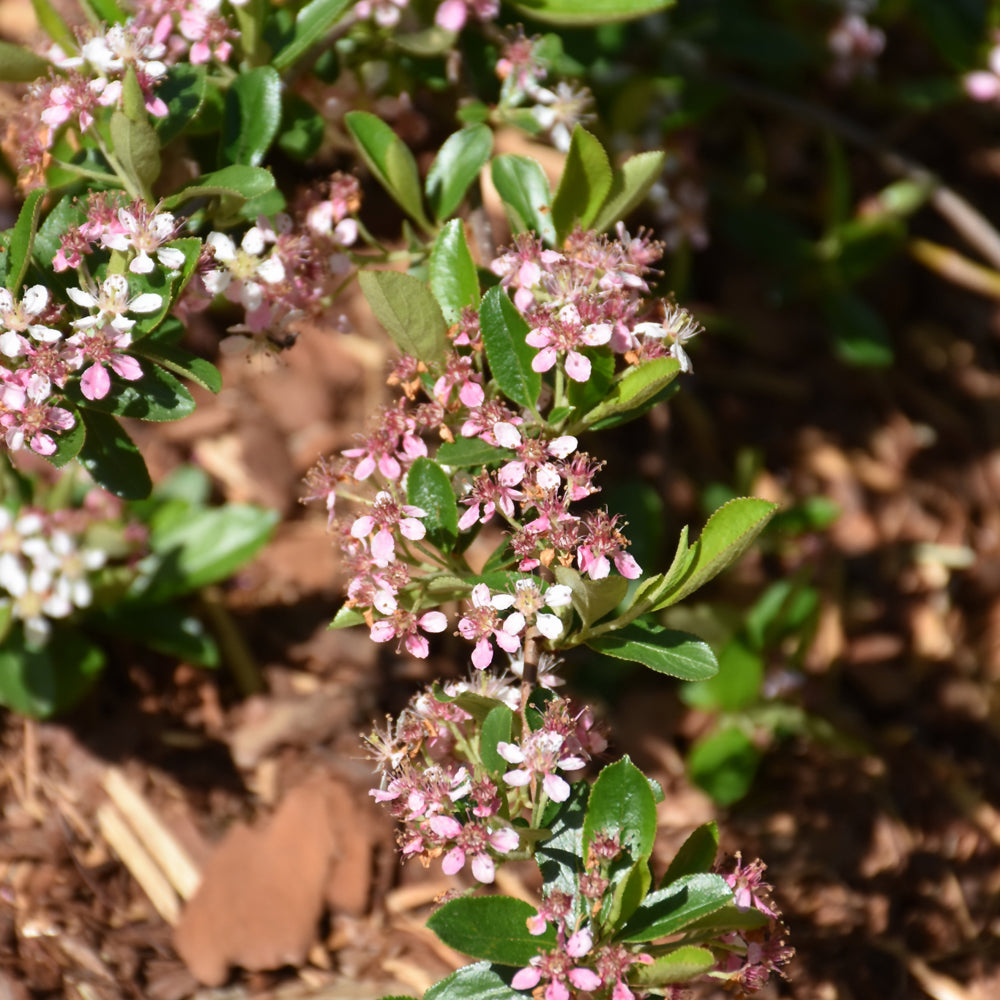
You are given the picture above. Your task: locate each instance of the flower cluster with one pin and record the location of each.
(48, 566)
(581, 304)
(42, 358)
(437, 785)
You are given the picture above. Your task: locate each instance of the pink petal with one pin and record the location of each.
(127, 367)
(544, 360)
(95, 382)
(483, 869)
(482, 655)
(526, 979)
(453, 861)
(577, 367)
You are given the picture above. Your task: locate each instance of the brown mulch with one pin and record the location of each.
(883, 842)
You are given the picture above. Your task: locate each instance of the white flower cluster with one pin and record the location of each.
(45, 572)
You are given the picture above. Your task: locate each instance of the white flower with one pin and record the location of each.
(527, 601)
(112, 302)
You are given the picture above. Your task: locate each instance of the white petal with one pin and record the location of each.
(146, 303)
(550, 626)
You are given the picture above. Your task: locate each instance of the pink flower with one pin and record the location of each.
(404, 625)
(480, 623)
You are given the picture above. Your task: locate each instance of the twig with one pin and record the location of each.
(968, 221)
(952, 266)
(236, 652)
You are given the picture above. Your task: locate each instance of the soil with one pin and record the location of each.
(880, 827)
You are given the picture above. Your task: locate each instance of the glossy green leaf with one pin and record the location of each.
(628, 892)
(54, 26)
(391, 161)
(728, 534)
(661, 649)
(621, 804)
(453, 276)
(697, 853)
(633, 389)
(111, 457)
(183, 91)
(497, 727)
(570, 13)
(20, 65)
(252, 116)
(524, 189)
(347, 617)
(312, 23)
(157, 396)
(41, 682)
(181, 362)
(678, 966)
(504, 331)
(137, 147)
(672, 908)
(592, 599)
(724, 764)
(22, 239)
(68, 443)
(67, 212)
(584, 185)
(236, 181)
(167, 284)
(408, 311)
(629, 185)
(428, 486)
(165, 628)
(302, 128)
(490, 927)
(457, 165)
(475, 982)
(560, 857)
(469, 453)
(202, 547)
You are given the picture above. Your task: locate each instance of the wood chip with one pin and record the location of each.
(136, 859)
(172, 859)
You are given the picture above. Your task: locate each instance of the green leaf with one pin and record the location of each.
(68, 443)
(458, 163)
(697, 853)
(524, 189)
(672, 908)
(312, 23)
(629, 891)
(55, 27)
(633, 389)
(678, 966)
(408, 311)
(629, 185)
(491, 927)
(592, 599)
(19, 65)
(181, 362)
(111, 457)
(302, 128)
(469, 453)
(41, 682)
(621, 804)
(22, 239)
(252, 116)
(391, 161)
(347, 617)
(453, 276)
(730, 531)
(137, 147)
(200, 548)
(165, 628)
(475, 982)
(428, 486)
(67, 212)
(560, 857)
(584, 185)
(157, 397)
(724, 764)
(183, 91)
(736, 685)
(860, 336)
(108, 11)
(661, 649)
(568, 13)
(509, 356)
(496, 728)
(236, 181)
